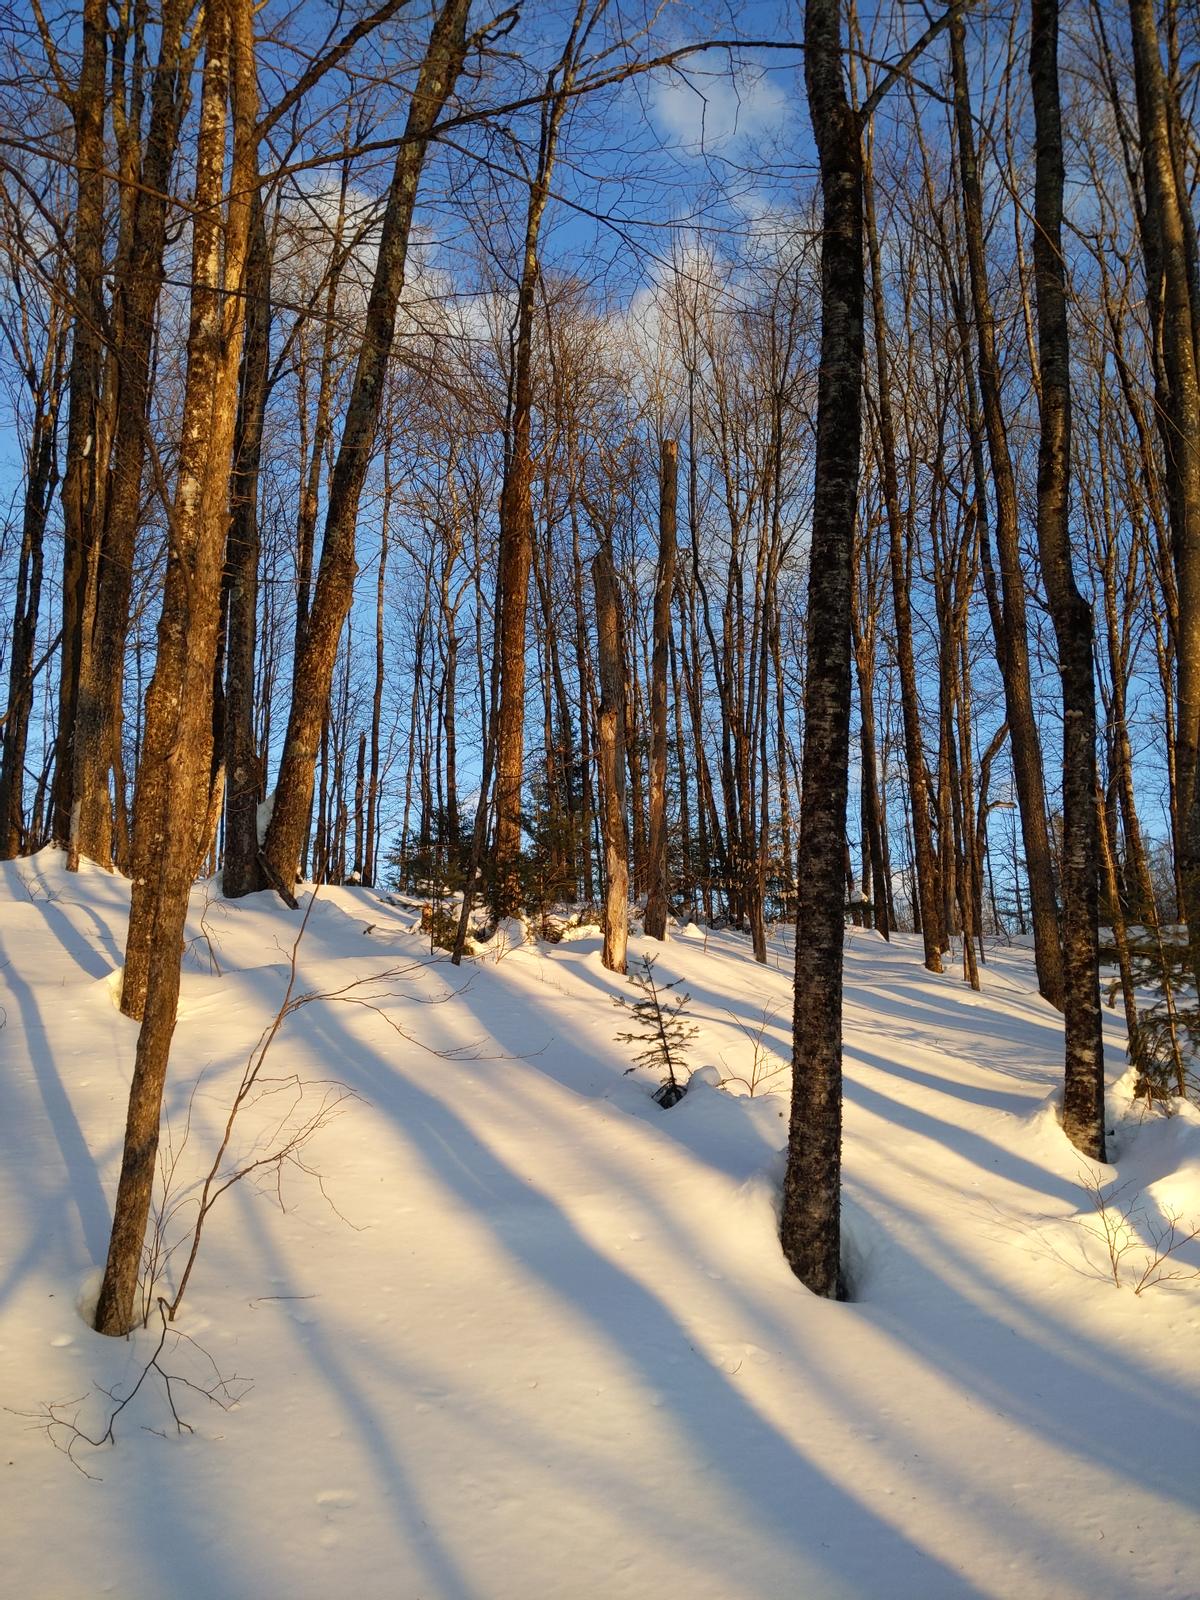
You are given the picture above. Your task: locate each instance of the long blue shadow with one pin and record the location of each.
(780, 1493)
(79, 1166)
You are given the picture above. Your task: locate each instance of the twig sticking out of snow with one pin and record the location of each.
(59, 1419)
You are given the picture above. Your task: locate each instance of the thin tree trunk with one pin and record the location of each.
(783, 758)
(322, 426)
(373, 783)
(516, 507)
(174, 779)
(1169, 241)
(1120, 933)
(610, 738)
(686, 878)
(811, 1220)
(633, 744)
(244, 779)
(1013, 642)
(81, 478)
(655, 920)
(924, 868)
(41, 479)
(1083, 1096)
(439, 72)
(863, 637)
(96, 747)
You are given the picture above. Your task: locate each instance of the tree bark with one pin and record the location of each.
(811, 1220)
(655, 921)
(1170, 278)
(516, 502)
(81, 478)
(1013, 644)
(1083, 1096)
(174, 778)
(334, 590)
(241, 873)
(610, 739)
(925, 865)
(96, 743)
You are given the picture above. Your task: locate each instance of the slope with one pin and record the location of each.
(527, 1335)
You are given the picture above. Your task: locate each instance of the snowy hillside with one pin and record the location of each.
(529, 1336)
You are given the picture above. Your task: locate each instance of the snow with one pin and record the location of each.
(536, 1339)
(263, 813)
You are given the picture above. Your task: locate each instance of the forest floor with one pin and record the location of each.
(528, 1335)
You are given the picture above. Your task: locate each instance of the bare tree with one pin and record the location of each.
(655, 921)
(610, 736)
(1012, 639)
(516, 510)
(174, 780)
(1173, 285)
(810, 1225)
(443, 61)
(1083, 1100)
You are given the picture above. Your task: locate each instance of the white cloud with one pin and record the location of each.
(708, 112)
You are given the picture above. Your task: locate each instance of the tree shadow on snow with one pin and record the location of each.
(79, 1171)
(779, 1492)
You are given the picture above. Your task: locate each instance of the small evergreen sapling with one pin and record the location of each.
(659, 1027)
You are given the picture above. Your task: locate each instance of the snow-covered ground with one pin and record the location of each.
(530, 1336)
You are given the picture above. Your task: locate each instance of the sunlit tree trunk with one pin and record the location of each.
(171, 805)
(610, 738)
(655, 922)
(1171, 271)
(334, 589)
(139, 271)
(516, 503)
(82, 475)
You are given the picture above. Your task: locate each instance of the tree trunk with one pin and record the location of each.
(373, 782)
(81, 477)
(1013, 644)
(516, 506)
(610, 737)
(241, 873)
(687, 882)
(811, 1220)
(924, 866)
(1083, 1096)
(655, 921)
(41, 478)
(439, 72)
(174, 778)
(96, 744)
(1170, 279)
(1120, 935)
